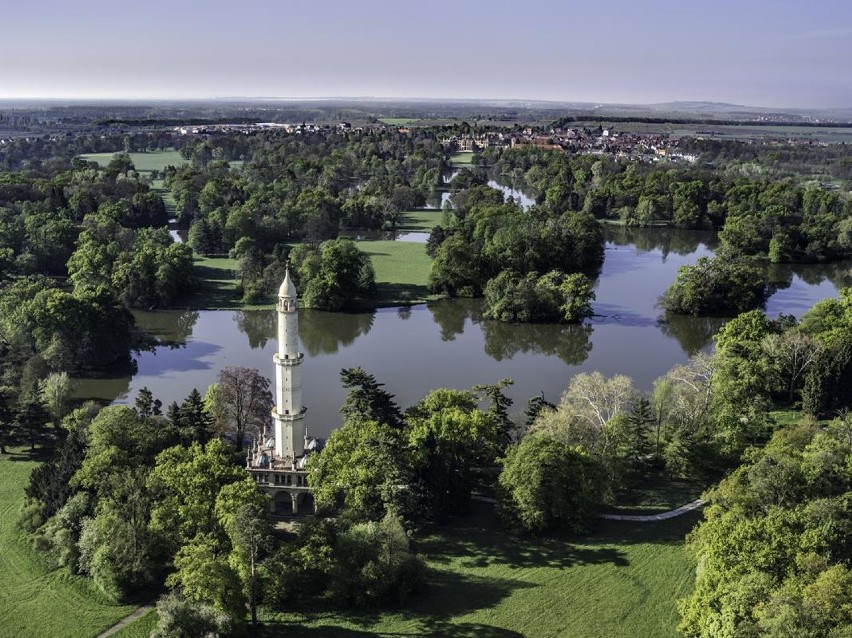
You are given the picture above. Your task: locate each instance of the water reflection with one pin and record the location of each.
(666, 240)
(326, 332)
(572, 344)
(320, 332)
(692, 333)
(451, 344)
(169, 328)
(451, 316)
(258, 325)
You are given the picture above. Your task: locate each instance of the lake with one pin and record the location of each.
(449, 344)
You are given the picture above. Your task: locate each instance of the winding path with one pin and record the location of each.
(662, 516)
(121, 624)
(636, 518)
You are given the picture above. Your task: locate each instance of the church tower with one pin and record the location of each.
(289, 413)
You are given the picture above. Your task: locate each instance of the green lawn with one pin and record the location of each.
(219, 284)
(461, 159)
(36, 600)
(622, 581)
(139, 628)
(656, 492)
(144, 162)
(420, 220)
(402, 270)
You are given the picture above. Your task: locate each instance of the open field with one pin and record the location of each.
(36, 600)
(621, 581)
(461, 159)
(421, 220)
(398, 121)
(402, 271)
(144, 162)
(219, 284)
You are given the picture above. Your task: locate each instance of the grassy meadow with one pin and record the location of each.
(144, 162)
(35, 599)
(464, 158)
(621, 581)
(219, 284)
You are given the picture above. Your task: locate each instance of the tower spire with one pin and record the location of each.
(289, 413)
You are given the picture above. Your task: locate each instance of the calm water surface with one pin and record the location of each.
(449, 344)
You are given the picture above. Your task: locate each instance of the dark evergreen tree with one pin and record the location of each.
(367, 400)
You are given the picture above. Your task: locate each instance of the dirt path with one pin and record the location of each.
(662, 516)
(121, 624)
(636, 518)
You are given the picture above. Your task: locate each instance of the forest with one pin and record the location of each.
(152, 498)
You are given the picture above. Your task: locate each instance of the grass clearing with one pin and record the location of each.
(421, 220)
(35, 599)
(219, 289)
(657, 492)
(402, 271)
(144, 162)
(464, 158)
(621, 581)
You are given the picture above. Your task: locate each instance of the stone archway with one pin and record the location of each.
(306, 504)
(283, 502)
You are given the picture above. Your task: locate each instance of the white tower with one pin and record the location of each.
(289, 413)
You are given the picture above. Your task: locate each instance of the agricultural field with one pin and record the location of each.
(622, 581)
(35, 599)
(398, 121)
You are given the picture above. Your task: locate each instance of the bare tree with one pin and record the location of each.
(242, 402)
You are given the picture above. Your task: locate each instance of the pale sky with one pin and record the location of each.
(754, 52)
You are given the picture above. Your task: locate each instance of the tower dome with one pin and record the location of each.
(287, 288)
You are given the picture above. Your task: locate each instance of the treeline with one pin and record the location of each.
(776, 159)
(644, 119)
(79, 245)
(531, 265)
(776, 220)
(302, 187)
(774, 548)
(30, 152)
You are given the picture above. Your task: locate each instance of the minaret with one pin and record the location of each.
(289, 413)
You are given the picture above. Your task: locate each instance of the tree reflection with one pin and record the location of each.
(839, 273)
(169, 329)
(450, 315)
(320, 332)
(667, 240)
(572, 344)
(692, 333)
(324, 332)
(258, 325)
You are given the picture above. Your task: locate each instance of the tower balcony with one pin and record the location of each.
(287, 360)
(289, 416)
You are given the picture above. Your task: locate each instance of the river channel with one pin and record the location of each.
(449, 344)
